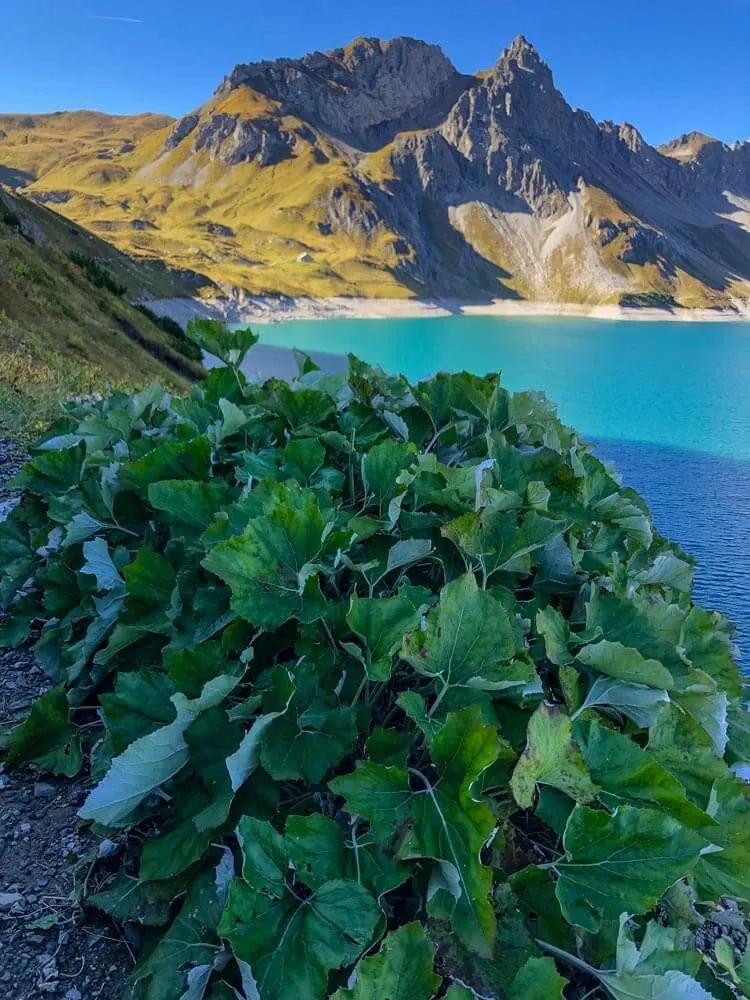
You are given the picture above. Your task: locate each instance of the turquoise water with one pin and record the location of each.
(679, 384)
(669, 403)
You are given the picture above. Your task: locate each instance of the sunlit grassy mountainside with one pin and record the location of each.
(380, 170)
(66, 327)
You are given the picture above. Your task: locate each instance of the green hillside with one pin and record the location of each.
(66, 326)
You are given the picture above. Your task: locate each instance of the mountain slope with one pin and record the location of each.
(65, 325)
(379, 170)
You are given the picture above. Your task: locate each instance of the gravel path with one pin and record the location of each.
(50, 946)
(11, 460)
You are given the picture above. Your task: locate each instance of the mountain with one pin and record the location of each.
(66, 327)
(379, 170)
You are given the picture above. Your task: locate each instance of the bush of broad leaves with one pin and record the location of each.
(401, 694)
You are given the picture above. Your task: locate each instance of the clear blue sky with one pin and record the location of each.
(666, 66)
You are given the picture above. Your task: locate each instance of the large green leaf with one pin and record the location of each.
(556, 634)
(188, 506)
(442, 818)
(687, 752)
(551, 758)
(636, 701)
(140, 703)
(381, 624)
(98, 563)
(289, 938)
(469, 641)
(319, 848)
(494, 538)
(171, 460)
(706, 641)
(53, 472)
(311, 736)
(216, 338)
(128, 898)
(189, 942)
(381, 469)
(401, 970)
(151, 760)
(640, 972)
(625, 664)
(725, 872)
(537, 980)
(626, 773)
(621, 862)
(270, 568)
(47, 736)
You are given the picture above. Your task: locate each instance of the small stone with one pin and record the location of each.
(43, 791)
(9, 899)
(73, 994)
(31, 897)
(25, 828)
(108, 848)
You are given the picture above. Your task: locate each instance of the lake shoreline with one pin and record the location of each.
(240, 308)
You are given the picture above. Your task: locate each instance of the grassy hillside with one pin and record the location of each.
(65, 325)
(243, 194)
(242, 224)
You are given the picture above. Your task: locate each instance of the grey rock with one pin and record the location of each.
(10, 899)
(236, 140)
(51, 197)
(362, 94)
(181, 130)
(42, 790)
(108, 848)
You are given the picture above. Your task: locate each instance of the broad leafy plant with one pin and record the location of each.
(400, 694)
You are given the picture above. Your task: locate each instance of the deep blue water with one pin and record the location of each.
(702, 502)
(668, 403)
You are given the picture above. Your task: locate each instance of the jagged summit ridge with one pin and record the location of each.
(363, 93)
(521, 54)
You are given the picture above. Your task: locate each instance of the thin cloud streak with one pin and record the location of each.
(122, 20)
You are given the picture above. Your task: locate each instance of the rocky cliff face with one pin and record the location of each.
(388, 172)
(362, 94)
(541, 189)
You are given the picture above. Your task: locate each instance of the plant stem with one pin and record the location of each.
(437, 701)
(360, 689)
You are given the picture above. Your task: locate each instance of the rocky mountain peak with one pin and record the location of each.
(522, 55)
(363, 93)
(632, 137)
(687, 145)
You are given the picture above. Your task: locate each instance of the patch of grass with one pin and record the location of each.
(170, 326)
(98, 275)
(64, 334)
(33, 387)
(31, 271)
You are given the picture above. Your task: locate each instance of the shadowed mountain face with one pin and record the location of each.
(378, 169)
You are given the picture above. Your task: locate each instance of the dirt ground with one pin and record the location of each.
(50, 946)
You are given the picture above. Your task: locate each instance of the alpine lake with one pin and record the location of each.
(667, 402)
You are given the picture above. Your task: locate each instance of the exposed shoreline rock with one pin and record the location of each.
(240, 307)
